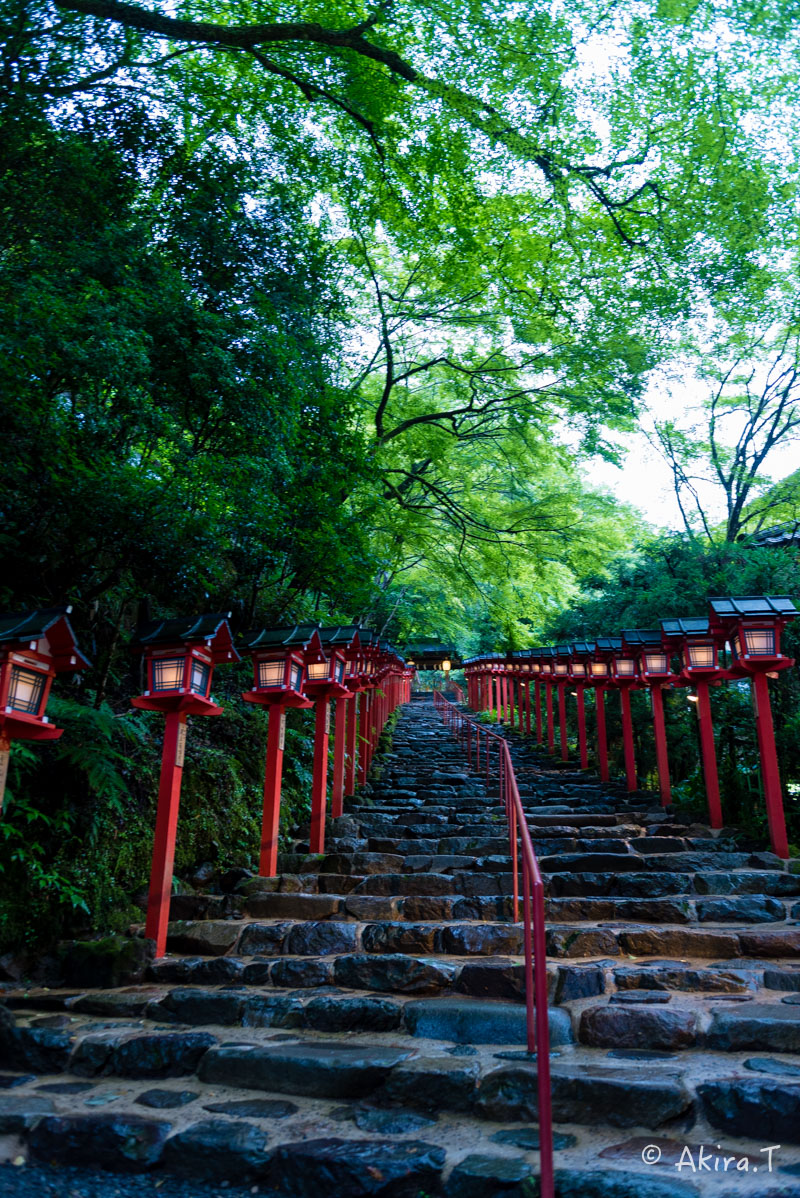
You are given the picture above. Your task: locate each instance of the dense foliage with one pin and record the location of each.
(317, 313)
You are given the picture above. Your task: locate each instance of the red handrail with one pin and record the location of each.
(468, 731)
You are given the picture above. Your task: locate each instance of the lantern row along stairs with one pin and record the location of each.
(355, 1025)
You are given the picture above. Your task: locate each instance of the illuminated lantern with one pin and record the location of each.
(371, 652)
(536, 671)
(562, 661)
(655, 671)
(547, 673)
(580, 668)
(753, 624)
(278, 674)
(355, 681)
(325, 681)
(625, 677)
(691, 638)
(179, 657)
(34, 647)
(525, 689)
(599, 677)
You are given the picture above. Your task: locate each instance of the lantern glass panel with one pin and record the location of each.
(296, 675)
(545, 667)
(446, 664)
(578, 669)
(168, 673)
(599, 669)
(562, 667)
(318, 671)
(339, 669)
(656, 663)
(760, 642)
(26, 690)
(201, 673)
(536, 667)
(626, 667)
(700, 656)
(270, 674)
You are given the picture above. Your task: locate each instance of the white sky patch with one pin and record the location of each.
(644, 480)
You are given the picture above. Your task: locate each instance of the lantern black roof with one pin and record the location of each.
(426, 653)
(563, 651)
(690, 626)
(299, 635)
(428, 647)
(781, 606)
(643, 637)
(18, 628)
(343, 635)
(608, 644)
(213, 629)
(582, 648)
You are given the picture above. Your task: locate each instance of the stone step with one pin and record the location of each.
(309, 1064)
(370, 1003)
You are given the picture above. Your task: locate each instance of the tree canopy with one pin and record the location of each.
(320, 310)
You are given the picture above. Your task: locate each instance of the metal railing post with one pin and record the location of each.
(534, 931)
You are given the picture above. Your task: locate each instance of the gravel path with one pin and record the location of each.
(42, 1181)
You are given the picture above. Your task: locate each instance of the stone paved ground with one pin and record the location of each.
(355, 1025)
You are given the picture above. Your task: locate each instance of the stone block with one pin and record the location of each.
(122, 1143)
(615, 1026)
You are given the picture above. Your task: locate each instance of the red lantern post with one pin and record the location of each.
(654, 669)
(547, 679)
(356, 682)
(753, 624)
(579, 666)
(562, 659)
(348, 640)
(699, 652)
(536, 670)
(599, 679)
(324, 681)
(625, 678)
(180, 656)
(278, 670)
(34, 647)
(524, 675)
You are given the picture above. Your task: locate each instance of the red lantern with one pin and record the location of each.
(325, 680)
(34, 647)
(691, 638)
(623, 675)
(180, 655)
(278, 676)
(580, 658)
(753, 624)
(562, 664)
(646, 645)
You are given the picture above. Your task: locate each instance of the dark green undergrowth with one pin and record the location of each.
(77, 828)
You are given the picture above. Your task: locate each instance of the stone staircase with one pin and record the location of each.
(356, 1026)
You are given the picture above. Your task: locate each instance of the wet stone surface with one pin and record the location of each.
(253, 1108)
(166, 1099)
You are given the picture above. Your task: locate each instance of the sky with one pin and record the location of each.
(645, 481)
